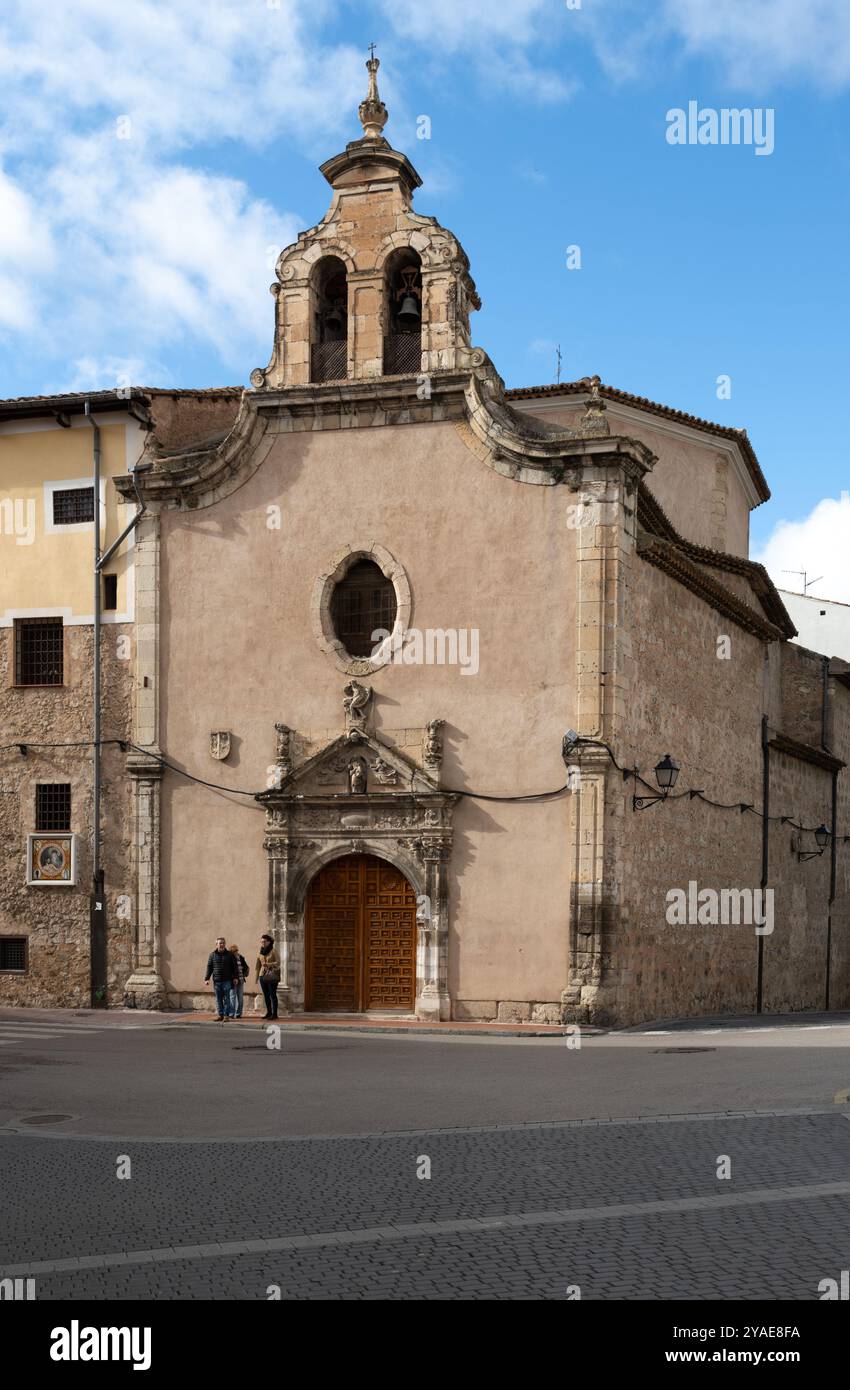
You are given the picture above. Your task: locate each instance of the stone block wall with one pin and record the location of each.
(795, 954)
(706, 712)
(54, 919)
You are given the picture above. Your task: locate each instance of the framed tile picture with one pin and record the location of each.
(51, 860)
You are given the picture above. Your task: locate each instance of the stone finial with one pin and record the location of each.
(372, 112)
(593, 420)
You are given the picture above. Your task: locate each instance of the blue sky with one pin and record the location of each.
(155, 156)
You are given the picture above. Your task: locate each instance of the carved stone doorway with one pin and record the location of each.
(361, 937)
(359, 798)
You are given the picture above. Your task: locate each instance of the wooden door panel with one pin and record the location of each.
(333, 945)
(335, 960)
(389, 937)
(391, 958)
(361, 937)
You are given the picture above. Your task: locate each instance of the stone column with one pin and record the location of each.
(277, 848)
(145, 987)
(432, 997)
(366, 324)
(604, 544)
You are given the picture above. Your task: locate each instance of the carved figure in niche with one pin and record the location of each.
(357, 776)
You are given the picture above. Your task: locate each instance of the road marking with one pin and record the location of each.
(46, 1027)
(35, 1032)
(21, 1037)
(61, 1027)
(560, 1216)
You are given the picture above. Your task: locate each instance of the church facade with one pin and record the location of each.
(373, 594)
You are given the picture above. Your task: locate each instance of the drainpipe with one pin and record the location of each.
(97, 916)
(765, 849)
(833, 852)
(833, 826)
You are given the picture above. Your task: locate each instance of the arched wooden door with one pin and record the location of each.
(360, 937)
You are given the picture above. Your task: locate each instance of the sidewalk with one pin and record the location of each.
(307, 1023)
(730, 1022)
(104, 1018)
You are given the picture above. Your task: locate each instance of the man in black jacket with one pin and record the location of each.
(223, 969)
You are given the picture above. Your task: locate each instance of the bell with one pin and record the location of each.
(333, 319)
(408, 314)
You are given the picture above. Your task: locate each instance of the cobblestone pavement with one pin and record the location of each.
(633, 1210)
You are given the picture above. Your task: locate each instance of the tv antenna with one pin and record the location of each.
(807, 583)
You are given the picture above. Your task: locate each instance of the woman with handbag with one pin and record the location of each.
(268, 974)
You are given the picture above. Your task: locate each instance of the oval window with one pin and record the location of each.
(363, 602)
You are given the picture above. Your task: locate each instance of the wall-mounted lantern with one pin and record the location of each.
(666, 772)
(822, 839)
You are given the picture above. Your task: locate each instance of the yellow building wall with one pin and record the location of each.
(47, 570)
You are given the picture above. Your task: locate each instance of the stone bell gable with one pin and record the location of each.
(339, 285)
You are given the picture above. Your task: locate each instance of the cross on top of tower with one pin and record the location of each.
(372, 111)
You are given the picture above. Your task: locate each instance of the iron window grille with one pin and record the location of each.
(402, 354)
(329, 361)
(362, 602)
(39, 654)
(73, 505)
(13, 953)
(53, 806)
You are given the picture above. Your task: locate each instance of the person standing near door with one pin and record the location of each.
(268, 974)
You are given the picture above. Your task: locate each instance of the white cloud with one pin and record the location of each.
(492, 36)
(449, 27)
(754, 43)
(766, 40)
(108, 373)
(817, 544)
(26, 251)
(156, 255)
(186, 72)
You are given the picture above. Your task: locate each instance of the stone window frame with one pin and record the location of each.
(320, 603)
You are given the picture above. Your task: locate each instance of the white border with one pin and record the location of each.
(46, 882)
(52, 528)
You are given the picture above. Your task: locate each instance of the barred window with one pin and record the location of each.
(362, 602)
(13, 953)
(39, 646)
(73, 504)
(53, 806)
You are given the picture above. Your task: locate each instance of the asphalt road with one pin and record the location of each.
(192, 1161)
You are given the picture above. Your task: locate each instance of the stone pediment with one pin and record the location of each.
(357, 764)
